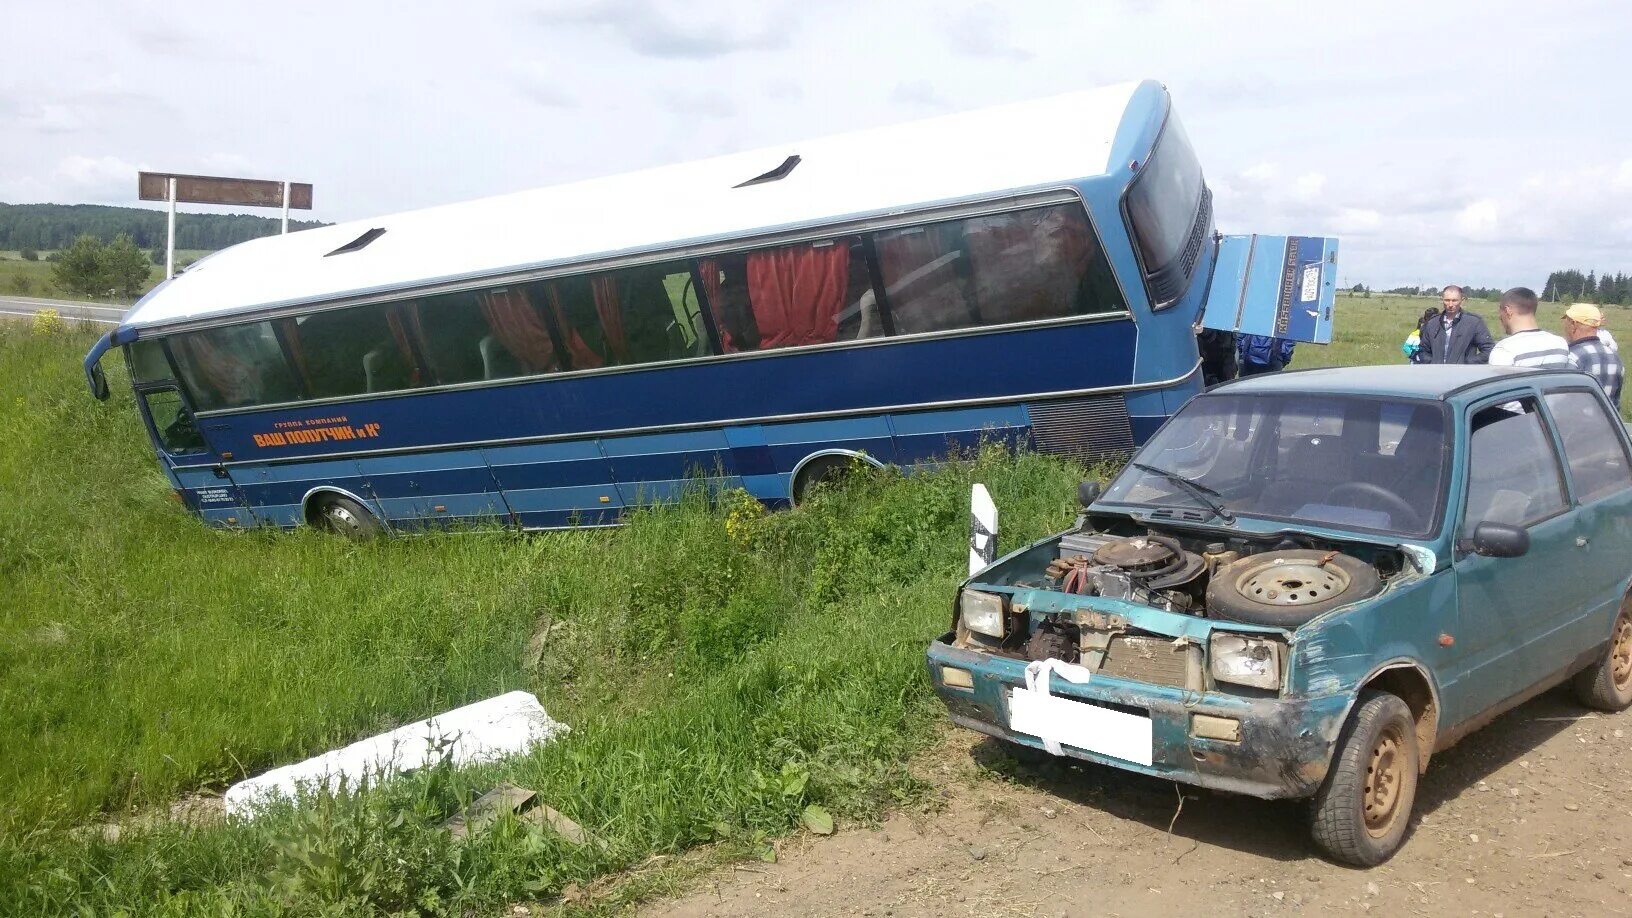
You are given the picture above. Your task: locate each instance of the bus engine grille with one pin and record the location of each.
(1154, 660)
(1090, 428)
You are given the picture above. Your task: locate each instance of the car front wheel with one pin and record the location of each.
(1363, 809)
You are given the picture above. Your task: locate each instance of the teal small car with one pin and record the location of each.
(1307, 583)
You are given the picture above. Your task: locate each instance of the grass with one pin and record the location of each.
(722, 668)
(33, 278)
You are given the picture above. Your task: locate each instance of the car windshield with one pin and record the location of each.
(1342, 461)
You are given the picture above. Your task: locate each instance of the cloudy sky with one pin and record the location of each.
(1486, 142)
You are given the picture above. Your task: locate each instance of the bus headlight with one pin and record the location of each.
(1244, 659)
(982, 612)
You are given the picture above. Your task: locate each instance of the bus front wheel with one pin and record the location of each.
(346, 517)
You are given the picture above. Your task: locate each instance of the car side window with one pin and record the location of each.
(1592, 444)
(1513, 474)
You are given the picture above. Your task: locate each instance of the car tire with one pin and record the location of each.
(343, 516)
(1231, 594)
(1606, 685)
(1362, 811)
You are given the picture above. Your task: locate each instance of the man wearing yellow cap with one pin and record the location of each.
(1581, 324)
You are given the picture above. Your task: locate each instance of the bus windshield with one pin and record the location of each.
(1164, 202)
(1343, 461)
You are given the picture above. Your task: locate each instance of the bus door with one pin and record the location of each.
(196, 469)
(1273, 286)
(194, 465)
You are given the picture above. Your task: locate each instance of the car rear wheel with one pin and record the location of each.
(1363, 809)
(1607, 684)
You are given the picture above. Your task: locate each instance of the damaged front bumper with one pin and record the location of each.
(1281, 747)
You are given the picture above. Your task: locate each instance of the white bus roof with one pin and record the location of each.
(1047, 142)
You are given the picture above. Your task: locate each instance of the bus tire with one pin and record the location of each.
(821, 470)
(341, 515)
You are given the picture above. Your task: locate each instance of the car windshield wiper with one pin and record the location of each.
(1213, 499)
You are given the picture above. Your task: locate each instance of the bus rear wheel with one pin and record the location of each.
(819, 471)
(343, 516)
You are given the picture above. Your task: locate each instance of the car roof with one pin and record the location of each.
(1397, 381)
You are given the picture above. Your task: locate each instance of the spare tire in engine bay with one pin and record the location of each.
(1284, 589)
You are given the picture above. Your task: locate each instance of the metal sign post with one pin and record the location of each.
(209, 189)
(170, 233)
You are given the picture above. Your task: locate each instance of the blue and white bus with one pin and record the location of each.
(1035, 273)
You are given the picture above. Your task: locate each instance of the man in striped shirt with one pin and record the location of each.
(1583, 323)
(1526, 345)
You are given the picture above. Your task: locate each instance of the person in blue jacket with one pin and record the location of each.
(1263, 354)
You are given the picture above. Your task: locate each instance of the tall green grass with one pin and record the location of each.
(721, 668)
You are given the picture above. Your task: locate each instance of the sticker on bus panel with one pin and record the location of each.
(1280, 286)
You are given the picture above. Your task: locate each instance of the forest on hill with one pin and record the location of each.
(56, 226)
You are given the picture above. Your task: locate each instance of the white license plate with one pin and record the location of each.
(1085, 726)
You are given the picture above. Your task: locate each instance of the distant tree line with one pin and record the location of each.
(1574, 287)
(1468, 290)
(56, 226)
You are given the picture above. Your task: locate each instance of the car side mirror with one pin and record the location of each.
(1499, 540)
(1088, 492)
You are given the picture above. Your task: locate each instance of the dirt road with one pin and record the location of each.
(1531, 816)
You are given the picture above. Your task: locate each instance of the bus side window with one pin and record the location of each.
(793, 295)
(924, 282)
(354, 351)
(1038, 264)
(236, 366)
(147, 361)
(177, 432)
(451, 330)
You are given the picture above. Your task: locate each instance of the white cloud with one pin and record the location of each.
(1480, 221)
(1426, 166)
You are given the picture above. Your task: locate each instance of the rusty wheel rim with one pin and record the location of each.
(1620, 655)
(1385, 779)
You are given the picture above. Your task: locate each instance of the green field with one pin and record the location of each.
(722, 669)
(33, 278)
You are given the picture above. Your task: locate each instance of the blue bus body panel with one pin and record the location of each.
(1014, 364)
(431, 458)
(1279, 286)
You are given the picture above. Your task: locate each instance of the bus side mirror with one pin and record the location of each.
(99, 383)
(1088, 492)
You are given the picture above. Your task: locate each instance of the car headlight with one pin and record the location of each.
(1244, 659)
(982, 612)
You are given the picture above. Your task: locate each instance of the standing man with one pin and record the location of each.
(1581, 324)
(1457, 336)
(1526, 345)
(1263, 354)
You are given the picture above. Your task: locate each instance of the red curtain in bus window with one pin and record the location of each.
(520, 328)
(583, 356)
(709, 270)
(605, 288)
(797, 293)
(399, 334)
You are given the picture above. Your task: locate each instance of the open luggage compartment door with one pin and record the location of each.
(1280, 286)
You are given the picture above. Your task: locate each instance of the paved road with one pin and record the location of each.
(24, 307)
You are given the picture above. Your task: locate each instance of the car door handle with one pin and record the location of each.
(1580, 541)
